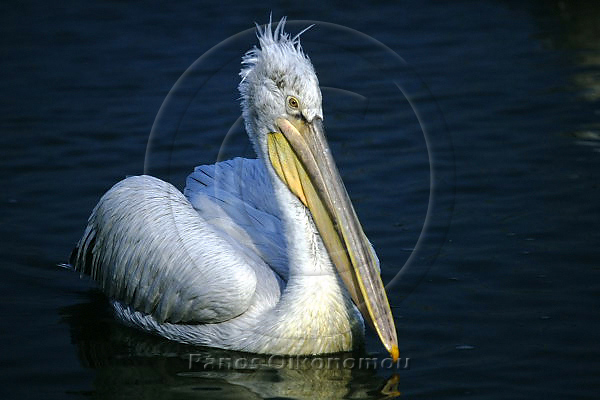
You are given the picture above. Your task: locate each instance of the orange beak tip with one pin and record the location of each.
(395, 353)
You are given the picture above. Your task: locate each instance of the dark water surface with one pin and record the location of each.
(498, 299)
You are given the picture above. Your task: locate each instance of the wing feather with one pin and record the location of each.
(236, 197)
(149, 248)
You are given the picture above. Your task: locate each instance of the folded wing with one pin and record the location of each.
(236, 197)
(150, 249)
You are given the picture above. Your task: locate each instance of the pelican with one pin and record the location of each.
(261, 255)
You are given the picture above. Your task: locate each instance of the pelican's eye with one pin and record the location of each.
(293, 102)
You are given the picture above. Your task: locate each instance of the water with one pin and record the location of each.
(500, 297)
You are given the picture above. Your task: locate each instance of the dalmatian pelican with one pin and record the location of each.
(261, 255)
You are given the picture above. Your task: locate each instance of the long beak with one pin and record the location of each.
(301, 158)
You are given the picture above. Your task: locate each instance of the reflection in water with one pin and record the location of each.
(579, 28)
(580, 34)
(129, 363)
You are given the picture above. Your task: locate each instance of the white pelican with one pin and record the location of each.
(259, 255)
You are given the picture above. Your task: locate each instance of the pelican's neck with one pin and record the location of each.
(315, 313)
(307, 255)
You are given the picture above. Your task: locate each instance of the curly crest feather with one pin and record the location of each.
(277, 43)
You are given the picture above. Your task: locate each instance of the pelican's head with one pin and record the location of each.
(278, 80)
(281, 103)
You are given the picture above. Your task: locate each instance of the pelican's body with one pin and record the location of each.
(252, 256)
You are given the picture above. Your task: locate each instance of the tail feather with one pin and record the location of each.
(82, 256)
